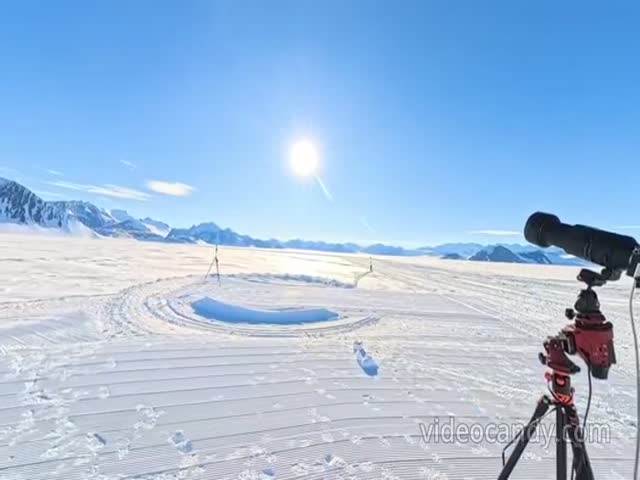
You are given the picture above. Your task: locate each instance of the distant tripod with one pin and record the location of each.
(214, 260)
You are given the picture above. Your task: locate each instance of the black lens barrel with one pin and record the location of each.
(608, 249)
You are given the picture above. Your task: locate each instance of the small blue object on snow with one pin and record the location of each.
(224, 312)
(366, 361)
(101, 440)
(268, 474)
(181, 442)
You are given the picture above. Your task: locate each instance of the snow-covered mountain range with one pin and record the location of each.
(20, 205)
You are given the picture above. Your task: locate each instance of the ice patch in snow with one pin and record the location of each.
(366, 361)
(224, 312)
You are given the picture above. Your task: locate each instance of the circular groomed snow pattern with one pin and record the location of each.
(256, 305)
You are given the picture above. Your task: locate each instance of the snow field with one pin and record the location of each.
(106, 372)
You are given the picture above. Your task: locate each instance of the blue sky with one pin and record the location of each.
(434, 120)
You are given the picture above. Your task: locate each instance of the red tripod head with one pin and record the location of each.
(590, 335)
(592, 339)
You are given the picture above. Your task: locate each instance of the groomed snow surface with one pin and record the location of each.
(113, 365)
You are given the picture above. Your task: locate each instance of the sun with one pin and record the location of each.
(304, 158)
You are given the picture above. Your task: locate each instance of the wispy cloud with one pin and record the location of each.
(325, 190)
(56, 173)
(108, 190)
(365, 223)
(128, 164)
(176, 189)
(496, 233)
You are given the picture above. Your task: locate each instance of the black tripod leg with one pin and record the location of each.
(576, 436)
(541, 409)
(561, 445)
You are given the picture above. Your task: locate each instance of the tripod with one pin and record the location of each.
(591, 337)
(567, 426)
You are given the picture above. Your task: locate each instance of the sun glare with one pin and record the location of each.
(304, 158)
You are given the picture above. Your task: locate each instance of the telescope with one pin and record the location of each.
(616, 253)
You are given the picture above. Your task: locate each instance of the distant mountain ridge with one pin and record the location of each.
(465, 250)
(497, 253)
(20, 205)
